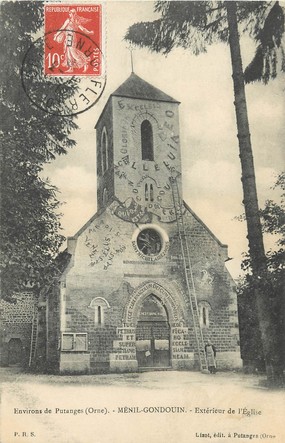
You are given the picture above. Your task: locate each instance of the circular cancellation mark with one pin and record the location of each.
(61, 90)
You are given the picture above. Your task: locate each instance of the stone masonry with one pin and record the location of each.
(122, 302)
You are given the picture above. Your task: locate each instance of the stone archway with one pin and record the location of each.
(132, 309)
(153, 326)
(178, 355)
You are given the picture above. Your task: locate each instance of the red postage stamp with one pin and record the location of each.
(73, 40)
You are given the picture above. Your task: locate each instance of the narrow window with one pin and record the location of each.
(151, 193)
(105, 196)
(100, 306)
(99, 315)
(147, 141)
(104, 150)
(146, 192)
(204, 312)
(204, 309)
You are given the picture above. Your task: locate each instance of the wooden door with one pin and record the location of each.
(153, 335)
(15, 350)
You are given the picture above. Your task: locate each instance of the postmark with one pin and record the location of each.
(63, 81)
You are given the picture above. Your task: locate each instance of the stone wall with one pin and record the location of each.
(16, 324)
(131, 172)
(107, 267)
(117, 281)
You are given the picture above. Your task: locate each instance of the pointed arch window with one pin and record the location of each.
(147, 141)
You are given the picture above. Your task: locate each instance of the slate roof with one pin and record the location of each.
(136, 87)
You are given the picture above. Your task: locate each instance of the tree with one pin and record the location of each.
(30, 226)
(194, 25)
(273, 223)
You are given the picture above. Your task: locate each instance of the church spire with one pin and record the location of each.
(136, 87)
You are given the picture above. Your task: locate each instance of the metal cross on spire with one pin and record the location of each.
(130, 48)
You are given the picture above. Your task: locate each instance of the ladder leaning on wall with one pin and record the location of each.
(34, 334)
(178, 206)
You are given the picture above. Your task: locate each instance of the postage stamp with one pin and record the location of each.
(73, 43)
(63, 71)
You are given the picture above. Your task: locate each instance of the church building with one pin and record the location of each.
(123, 301)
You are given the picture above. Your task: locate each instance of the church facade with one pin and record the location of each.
(122, 303)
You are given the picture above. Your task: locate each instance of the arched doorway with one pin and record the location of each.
(15, 350)
(153, 334)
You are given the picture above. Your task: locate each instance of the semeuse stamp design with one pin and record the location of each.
(68, 50)
(63, 72)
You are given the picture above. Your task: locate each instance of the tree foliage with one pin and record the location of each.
(273, 214)
(273, 222)
(30, 226)
(194, 25)
(269, 44)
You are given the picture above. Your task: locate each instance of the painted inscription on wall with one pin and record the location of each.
(133, 212)
(125, 346)
(151, 258)
(180, 343)
(147, 178)
(104, 242)
(164, 297)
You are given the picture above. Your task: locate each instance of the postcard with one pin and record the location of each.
(135, 133)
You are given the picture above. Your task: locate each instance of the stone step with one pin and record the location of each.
(154, 369)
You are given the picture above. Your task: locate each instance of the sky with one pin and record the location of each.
(210, 156)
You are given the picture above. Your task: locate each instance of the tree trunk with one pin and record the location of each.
(267, 325)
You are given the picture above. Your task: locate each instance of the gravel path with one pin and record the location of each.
(151, 407)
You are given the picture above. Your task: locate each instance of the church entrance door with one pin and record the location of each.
(153, 334)
(15, 351)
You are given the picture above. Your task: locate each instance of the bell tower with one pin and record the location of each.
(144, 281)
(138, 148)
